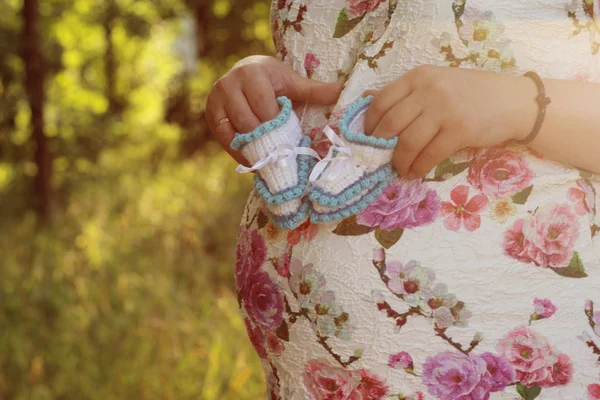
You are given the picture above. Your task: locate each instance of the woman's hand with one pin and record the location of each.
(436, 111)
(247, 96)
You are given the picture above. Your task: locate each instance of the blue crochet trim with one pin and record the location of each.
(359, 137)
(354, 209)
(241, 139)
(305, 165)
(290, 221)
(382, 174)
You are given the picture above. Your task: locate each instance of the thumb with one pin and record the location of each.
(300, 88)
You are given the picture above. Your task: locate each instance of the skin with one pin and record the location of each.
(434, 111)
(248, 93)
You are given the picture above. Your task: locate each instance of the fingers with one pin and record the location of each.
(440, 148)
(384, 100)
(398, 118)
(261, 98)
(411, 143)
(310, 91)
(224, 132)
(239, 112)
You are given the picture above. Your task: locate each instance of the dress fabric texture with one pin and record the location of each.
(481, 281)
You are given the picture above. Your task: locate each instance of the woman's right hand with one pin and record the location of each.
(248, 93)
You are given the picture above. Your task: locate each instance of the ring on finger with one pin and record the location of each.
(222, 121)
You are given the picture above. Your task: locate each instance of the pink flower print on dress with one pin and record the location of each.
(401, 360)
(256, 338)
(583, 197)
(370, 387)
(542, 308)
(498, 172)
(410, 281)
(358, 8)
(263, 301)
(311, 62)
(561, 372)
(594, 391)
(547, 239)
(462, 211)
(251, 253)
(274, 344)
(325, 381)
(456, 376)
(534, 359)
(500, 372)
(306, 231)
(552, 233)
(403, 204)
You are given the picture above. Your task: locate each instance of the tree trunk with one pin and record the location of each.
(33, 59)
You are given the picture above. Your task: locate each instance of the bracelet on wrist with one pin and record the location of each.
(542, 101)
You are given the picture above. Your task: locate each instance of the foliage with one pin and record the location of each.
(127, 292)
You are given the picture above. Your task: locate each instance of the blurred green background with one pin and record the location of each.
(118, 212)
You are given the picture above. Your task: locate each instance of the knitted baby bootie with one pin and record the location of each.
(356, 170)
(281, 156)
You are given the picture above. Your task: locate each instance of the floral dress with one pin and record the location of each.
(480, 281)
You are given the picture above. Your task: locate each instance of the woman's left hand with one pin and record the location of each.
(436, 111)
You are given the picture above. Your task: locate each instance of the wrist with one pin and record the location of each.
(526, 109)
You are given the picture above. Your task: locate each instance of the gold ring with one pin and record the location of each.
(222, 121)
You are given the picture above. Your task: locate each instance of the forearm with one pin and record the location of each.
(571, 129)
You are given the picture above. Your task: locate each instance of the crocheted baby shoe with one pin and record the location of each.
(281, 156)
(355, 171)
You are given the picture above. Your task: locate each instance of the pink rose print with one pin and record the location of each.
(562, 372)
(306, 231)
(542, 308)
(456, 376)
(263, 301)
(547, 239)
(325, 381)
(401, 360)
(535, 361)
(256, 338)
(251, 253)
(403, 204)
(594, 391)
(311, 62)
(515, 244)
(370, 387)
(583, 197)
(498, 172)
(463, 211)
(499, 372)
(274, 344)
(358, 8)
(552, 235)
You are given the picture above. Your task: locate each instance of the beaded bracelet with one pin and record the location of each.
(542, 101)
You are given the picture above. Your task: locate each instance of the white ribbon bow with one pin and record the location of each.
(339, 156)
(283, 154)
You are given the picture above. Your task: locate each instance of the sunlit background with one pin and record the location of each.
(118, 212)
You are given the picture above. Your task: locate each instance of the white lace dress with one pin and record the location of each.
(477, 282)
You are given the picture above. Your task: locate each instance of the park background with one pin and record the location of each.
(118, 211)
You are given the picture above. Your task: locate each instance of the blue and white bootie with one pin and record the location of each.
(282, 158)
(355, 171)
